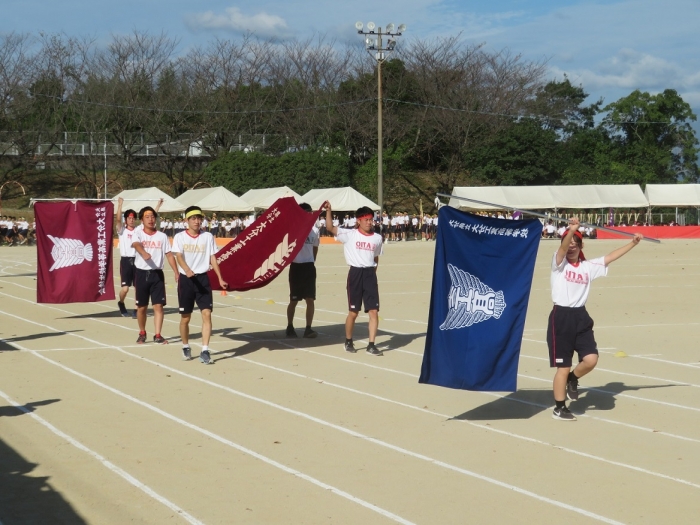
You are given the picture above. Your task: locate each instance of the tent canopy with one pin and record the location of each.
(549, 197)
(141, 197)
(341, 199)
(266, 197)
(214, 199)
(673, 194)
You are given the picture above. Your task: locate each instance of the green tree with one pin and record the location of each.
(655, 142)
(301, 171)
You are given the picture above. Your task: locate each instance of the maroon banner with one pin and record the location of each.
(265, 248)
(74, 251)
(655, 232)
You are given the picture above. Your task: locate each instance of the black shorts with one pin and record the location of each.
(127, 270)
(569, 330)
(149, 284)
(302, 281)
(362, 289)
(195, 289)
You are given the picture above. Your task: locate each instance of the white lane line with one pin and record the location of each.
(633, 356)
(516, 400)
(208, 433)
(477, 425)
(105, 462)
(322, 422)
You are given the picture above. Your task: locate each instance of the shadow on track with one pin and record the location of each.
(328, 335)
(525, 404)
(6, 342)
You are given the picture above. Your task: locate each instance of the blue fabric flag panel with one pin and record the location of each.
(481, 285)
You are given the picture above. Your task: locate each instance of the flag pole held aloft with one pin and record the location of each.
(536, 214)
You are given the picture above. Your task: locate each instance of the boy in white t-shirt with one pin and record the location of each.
(362, 248)
(302, 280)
(570, 328)
(152, 249)
(195, 251)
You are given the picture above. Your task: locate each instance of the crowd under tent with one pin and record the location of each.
(266, 197)
(215, 199)
(341, 199)
(141, 197)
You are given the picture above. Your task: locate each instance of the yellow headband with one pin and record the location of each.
(193, 212)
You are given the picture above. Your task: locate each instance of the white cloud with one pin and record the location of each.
(233, 20)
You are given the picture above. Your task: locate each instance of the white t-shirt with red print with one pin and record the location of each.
(360, 249)
(196, 250)
(156, 244)
(571, 283)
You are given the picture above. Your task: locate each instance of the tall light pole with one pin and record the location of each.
(380, 48)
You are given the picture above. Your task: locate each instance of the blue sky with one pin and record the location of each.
(611, 47)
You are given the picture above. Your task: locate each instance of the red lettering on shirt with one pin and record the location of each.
(363, 245)
(575, 277)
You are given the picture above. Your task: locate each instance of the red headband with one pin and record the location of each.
(365, 216)
(578, 234)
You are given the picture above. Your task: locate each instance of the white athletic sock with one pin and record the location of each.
(205, 348)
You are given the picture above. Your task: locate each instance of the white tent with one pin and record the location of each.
(141, 197)
(266, 197)
(214, 199)
(673, 194)
(341, 199)
(551, 197)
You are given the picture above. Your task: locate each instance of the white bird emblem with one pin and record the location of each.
(470, 301)
(69, 252)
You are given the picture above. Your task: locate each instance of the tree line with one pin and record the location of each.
(256, 113)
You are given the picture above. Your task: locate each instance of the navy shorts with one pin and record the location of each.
(569, 330)
(302, 281)
(127, 270)
(149, 284)
(362, 289)
(195, 289)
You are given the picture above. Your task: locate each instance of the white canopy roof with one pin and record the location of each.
(141, 197)
(341, 199)
(673, 194)
(548, 197)
(214, 199)
(264, 198)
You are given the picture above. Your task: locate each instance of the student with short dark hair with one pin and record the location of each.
(152, 249)
(362, 248)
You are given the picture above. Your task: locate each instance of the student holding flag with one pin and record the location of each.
(362, 248)
(570, 327)
(195, 251)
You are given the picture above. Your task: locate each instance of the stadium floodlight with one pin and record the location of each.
(380, 49)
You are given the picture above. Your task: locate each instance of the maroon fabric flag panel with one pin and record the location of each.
(265, 248)
(74, 251)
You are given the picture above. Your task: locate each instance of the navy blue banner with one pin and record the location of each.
(481, 285)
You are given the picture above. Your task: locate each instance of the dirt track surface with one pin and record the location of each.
(96, 429)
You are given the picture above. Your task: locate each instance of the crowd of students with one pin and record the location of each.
(229, 226)
(394, 228)
(17, 231)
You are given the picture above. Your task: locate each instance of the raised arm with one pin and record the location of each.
(564, 246)
(118, 217)
(329, 220)
(160, 203)
(616, 254)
